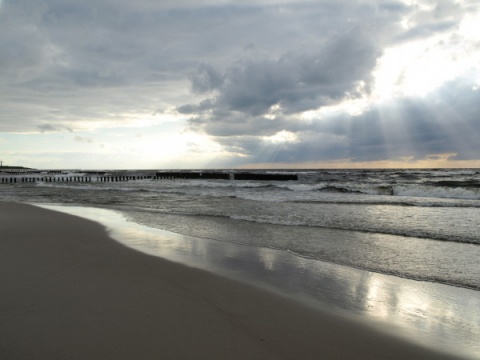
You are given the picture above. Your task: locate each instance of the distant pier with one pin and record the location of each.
(14, 177)
(226, 175)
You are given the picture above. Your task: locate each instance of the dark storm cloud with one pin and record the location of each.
(335, 61)
(294, 83)
(205, 79)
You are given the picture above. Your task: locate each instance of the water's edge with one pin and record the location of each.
(428, 313)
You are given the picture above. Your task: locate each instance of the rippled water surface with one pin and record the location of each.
(417, 224)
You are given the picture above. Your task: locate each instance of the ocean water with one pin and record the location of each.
(402, 246)
(414, 224)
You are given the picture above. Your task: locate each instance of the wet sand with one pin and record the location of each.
(71, 292)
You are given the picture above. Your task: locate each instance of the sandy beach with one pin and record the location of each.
(71, 292)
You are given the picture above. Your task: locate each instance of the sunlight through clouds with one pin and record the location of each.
(419, 67)
(282, 137)
(470, 29)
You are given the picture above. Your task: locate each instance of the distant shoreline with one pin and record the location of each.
(15, 168)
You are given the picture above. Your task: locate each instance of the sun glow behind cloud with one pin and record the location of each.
(177, 149)
(417, 68)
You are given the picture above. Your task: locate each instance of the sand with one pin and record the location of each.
(68, 291)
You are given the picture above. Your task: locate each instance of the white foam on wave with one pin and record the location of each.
(356, 227)
(413, 190)
(65, 185)
(84, 186)
(268, 220)
(217, 184)
(453, 172)
(436, 192)
(370, 189)
(302, 187)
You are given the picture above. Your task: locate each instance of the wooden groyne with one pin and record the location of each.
(23, 179)
(122, 178)
(265, 177)
(66, 179)
(227, 176)
(86, 177)
(192, 175)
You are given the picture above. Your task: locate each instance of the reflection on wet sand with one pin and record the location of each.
(430, 313)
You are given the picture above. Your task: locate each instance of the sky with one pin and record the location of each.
(164, 84)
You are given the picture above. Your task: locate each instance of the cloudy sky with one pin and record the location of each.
(226, 84)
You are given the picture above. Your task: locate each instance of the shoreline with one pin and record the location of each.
(70, 291)
(399, 306)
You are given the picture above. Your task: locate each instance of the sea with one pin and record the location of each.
(398, 245)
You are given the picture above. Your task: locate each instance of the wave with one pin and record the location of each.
(382, 194)
(339, 188)
(227, 184)
(84, 186)
(454, 172)
(469, 193)
(443, 189)
(301, 187)
(65, 185)
(390, 231)
(437, 192)
(392, 202)
(271, 220)
(468, 189)
(456, 183)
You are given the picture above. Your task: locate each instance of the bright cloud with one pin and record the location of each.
(419, 67)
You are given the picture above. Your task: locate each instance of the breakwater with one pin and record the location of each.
(92, 176)
(226, 175)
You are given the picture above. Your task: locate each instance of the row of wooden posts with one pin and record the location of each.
(85, 179)
(170, 175)
(17, 179)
